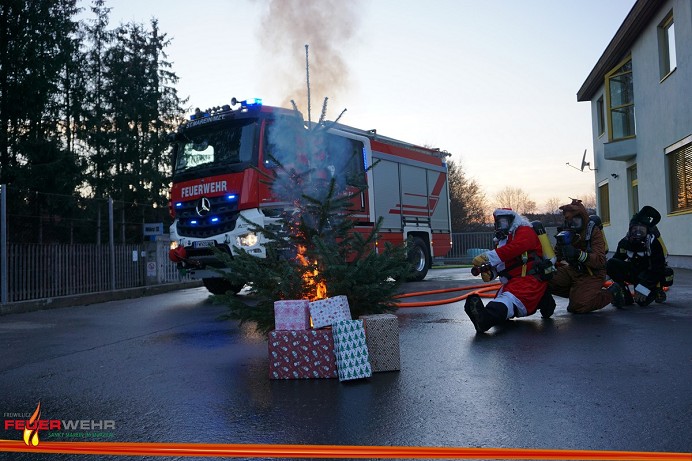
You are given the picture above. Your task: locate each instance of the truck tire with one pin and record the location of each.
(419, 257)
(219, 286)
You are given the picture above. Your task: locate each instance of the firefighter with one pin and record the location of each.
(581, 257)
(640, 260)
(516, 252)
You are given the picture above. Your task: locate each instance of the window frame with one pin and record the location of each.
(677, 169)
(633, 181)
(667, 55)
(616, 72)
(604, 203)
(600, 116)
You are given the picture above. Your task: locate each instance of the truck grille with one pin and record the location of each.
(221, 218)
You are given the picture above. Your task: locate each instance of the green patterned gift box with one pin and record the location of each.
(351, 350)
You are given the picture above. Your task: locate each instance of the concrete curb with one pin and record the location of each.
(92, 298)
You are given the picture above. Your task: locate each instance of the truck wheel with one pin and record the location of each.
(218, 286)
(418, 256)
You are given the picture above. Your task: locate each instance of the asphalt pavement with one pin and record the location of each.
(164, 368)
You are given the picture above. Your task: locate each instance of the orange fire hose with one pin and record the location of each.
(483, 290)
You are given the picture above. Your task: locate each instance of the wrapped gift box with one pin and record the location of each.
(382, 338)
(325, 312)
(351, 350)
(301, 354)
(291, 315)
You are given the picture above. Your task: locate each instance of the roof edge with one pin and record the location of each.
(636, 20)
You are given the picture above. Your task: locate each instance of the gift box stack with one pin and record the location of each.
(333, 347)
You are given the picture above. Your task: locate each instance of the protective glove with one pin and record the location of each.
(481, 259)
(573, 255)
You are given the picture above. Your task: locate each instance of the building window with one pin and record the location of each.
(680, 178)
(620, 101)
(604, 203)
(634, 189)
(666, 46)
(600, 116)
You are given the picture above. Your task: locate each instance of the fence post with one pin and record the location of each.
(3, 243)
(111, 241)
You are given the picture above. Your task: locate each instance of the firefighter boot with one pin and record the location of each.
(474, 308)
(618, 296)
(660, 296)
(629, 300)
(546, 305)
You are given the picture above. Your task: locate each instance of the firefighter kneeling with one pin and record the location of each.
(640, 259)
(517, 254)
(581, 255)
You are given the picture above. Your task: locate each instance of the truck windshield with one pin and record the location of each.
(215, 144)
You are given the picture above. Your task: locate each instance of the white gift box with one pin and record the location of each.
(326, 312)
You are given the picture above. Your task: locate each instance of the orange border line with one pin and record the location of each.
(328, 451)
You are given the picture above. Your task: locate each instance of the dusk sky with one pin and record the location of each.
(493, 82)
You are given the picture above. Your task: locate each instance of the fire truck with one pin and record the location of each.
(219, 156)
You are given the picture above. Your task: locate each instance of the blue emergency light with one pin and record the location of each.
(199, 114)
(247, 103)
(214, 219)
(231, 197)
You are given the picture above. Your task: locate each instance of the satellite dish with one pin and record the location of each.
(584, 163)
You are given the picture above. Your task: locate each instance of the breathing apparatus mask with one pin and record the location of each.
(503, 223)
(637, 237)
(574, 223)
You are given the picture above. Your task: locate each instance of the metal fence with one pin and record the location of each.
(52, 245)
(466, 245)
(45, 271)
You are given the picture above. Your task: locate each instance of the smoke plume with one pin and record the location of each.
(326, 26)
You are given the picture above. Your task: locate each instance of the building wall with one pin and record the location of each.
(663, 114)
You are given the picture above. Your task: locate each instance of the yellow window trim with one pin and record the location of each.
(609, 75)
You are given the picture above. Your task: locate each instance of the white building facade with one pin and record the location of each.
(641, 105)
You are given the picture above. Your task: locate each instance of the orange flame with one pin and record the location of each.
(31, 435)
(319, 288)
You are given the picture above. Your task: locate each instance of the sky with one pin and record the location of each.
(492, 82)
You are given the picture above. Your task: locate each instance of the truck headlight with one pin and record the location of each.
(247, 240)
(174, 245)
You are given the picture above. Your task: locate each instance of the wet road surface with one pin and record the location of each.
(165, 369)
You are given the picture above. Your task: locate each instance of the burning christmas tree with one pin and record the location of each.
(313, 249)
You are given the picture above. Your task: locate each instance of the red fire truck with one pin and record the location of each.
(216, 158)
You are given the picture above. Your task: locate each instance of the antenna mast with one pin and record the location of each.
(307, 73)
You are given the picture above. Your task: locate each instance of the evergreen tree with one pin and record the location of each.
(80, 98)
(315, 247)
(142, 107)
(96, 131)
(165, 115)
(37, 51)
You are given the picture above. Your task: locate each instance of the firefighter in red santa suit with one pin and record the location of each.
(522, 292)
